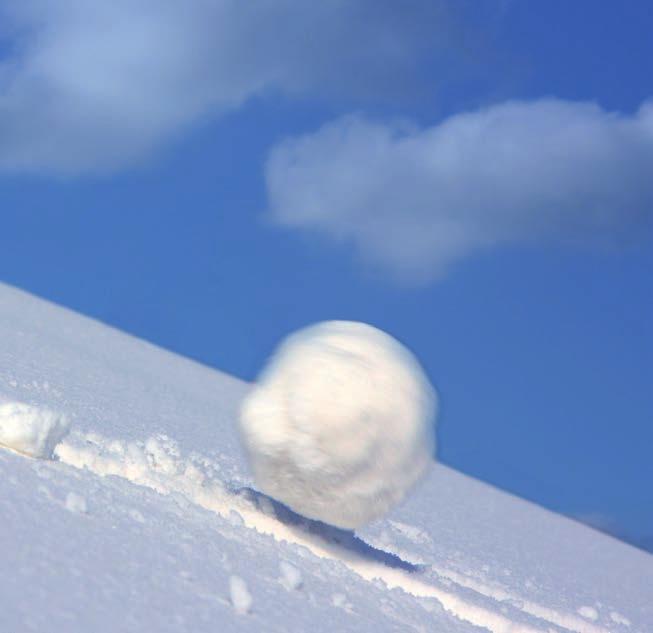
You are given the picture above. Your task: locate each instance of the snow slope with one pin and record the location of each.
(147, 521)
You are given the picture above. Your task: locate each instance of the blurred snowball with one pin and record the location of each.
(340, 425)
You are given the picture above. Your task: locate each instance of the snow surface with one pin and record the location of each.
(340, 425)
(147, 520)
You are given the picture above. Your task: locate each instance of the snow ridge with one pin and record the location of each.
(157, 463)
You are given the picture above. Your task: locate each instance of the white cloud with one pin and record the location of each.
(97, 85)
(417, 200)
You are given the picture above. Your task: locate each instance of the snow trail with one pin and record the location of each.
(500, 594)
(157, 464)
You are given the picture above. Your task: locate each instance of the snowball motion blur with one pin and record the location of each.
(340, 425)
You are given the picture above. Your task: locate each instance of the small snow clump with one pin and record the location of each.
(588, 612)
(75, 503)
(619, 619)
(291, 577)
(239, 594)
(340, 425)
(31, 430)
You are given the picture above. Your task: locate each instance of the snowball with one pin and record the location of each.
(31, 430)
(341, 423)
(239, 594)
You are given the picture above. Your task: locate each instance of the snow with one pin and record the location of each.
(172, 517)
(290, 576)
(588, 612)
(31, 430)
(340, 600)
(239, 594)
(619, 619)
(340, 425)
(76, 503)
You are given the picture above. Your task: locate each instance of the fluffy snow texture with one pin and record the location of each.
(31, 430)
(341, 424)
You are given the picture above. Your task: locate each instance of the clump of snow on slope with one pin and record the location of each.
(31, 430)
(340, 600)
(588, 612)
(241, 598)
(290, 577)
(76, 503)
(619, 619)
(341, 423)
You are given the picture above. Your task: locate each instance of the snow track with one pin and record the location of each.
(157, 463)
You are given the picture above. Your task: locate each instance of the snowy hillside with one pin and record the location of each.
(146, 520)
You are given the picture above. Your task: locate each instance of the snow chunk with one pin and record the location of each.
(31, 430)
(619, 619)
(76, 503)
(588, 612)
(340, 600)
(291, 577)
(239, 594)
(341, 423)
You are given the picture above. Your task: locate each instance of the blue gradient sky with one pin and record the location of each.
(542, 351)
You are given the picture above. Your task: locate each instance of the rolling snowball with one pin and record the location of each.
(340, 425)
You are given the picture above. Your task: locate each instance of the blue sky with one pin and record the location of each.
(474, 178)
